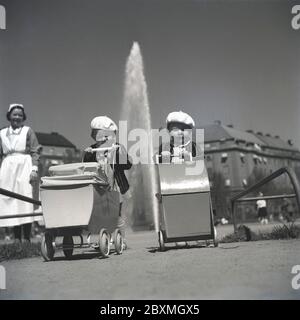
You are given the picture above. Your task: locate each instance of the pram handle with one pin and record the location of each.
(92, 150)
(115, 146)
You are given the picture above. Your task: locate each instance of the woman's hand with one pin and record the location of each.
(33, 177)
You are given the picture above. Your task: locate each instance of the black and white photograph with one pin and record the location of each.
(149, 151)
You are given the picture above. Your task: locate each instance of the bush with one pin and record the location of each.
(285, 231)
(19, 250)
(243, 233)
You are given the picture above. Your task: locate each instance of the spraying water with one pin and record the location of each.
(136, 112)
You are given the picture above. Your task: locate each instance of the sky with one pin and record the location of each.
(234, 61)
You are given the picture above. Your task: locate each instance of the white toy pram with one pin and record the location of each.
(77, 201)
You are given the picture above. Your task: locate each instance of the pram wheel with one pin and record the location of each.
(104, 243)
(118, 241)
(81, 240)
(68, 244)
(47, 248)
(161, 241)
(216, 242)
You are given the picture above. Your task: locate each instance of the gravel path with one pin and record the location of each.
(248, 270)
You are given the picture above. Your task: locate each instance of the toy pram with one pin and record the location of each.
(77, 201)
(185, 210)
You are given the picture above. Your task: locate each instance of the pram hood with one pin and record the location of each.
(74, 168)
(75, 174)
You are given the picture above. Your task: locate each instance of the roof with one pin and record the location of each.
(214, 132)
(243, 135)
(54, 139)
(217, 132)
(276, 142)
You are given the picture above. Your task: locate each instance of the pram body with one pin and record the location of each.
(77, 201)
(185, 209)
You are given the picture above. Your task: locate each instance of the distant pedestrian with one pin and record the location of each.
(19, 158)
(262, 212)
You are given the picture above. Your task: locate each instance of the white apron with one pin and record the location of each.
(14, 176)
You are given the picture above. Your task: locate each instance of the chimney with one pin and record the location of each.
(259, 133)
(218, 122)
(290, 142)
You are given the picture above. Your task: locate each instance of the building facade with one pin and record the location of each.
(56, 149)
(236, 159)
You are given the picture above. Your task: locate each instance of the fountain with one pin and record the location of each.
(136, 112)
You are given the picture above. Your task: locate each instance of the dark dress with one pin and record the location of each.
(122, 163)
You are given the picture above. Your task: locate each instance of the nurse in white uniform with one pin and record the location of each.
(19, 158)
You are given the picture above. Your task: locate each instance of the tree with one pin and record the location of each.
(219, 194)
(257, 175)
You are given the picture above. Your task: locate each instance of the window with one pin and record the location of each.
(227, 182)
(257, 146)
(255, 159)
(259, 159)
(242, 156)
(240, 142)
(224, 157)
(208, 158)
(226, 171)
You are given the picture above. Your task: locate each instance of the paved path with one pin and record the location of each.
(248, 270)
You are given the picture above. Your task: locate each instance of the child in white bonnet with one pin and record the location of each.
(114, 161)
